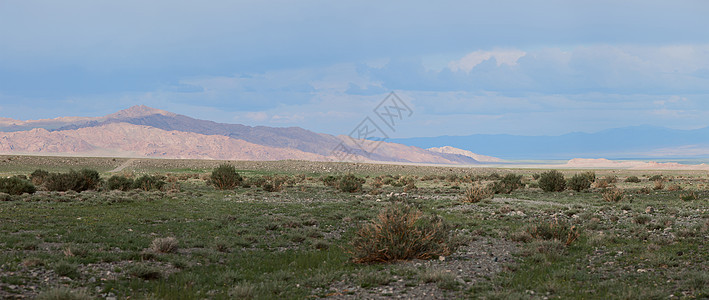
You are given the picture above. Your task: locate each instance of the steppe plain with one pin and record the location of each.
(294, 241)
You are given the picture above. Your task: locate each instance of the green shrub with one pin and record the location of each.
(401, 232)
(590, 176)
(552, 181)
(579, 182)
(225, 177)
(632, 179)
(80, 181)
(691, 196)
(507, 184)
(148, 182)
(350, 183)
(656, 178)
(16, 186)
(331, 180)
(145, 272)
(119, 183)
(554, 230)
(39, 176)
(66, 269)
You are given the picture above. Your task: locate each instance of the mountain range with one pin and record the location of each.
(641, 142)
(141, 131)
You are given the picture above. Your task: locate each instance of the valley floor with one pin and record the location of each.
(293, 241)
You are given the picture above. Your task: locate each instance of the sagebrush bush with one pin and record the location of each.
(148, 182)
(476, 194)
(590, 175)
(16, 186)
(659, 184)
(691, 196)
(350, 183)
(401, 232)
(78, 181)
(225, 177)
(579, 182)
(632, 179)
(552, 181)
(655, 178)
(38, 176)
(554, 230)
(164, 245)
(613, 195)
(117, 182)
(507, 184)
(674, 187)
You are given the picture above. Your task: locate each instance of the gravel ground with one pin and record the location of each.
(477, 261)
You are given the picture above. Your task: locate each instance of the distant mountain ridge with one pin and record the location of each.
(150, 132)
(627, 142)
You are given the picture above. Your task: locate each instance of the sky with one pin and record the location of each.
(462, 67)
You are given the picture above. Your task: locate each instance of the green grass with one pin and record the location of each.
(291, 244)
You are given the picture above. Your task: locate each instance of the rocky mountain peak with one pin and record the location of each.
(138, 111)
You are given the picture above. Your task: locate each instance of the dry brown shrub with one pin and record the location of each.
(401, 232)
(613, 195)
(477, 193)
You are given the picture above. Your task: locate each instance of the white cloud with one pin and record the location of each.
(258, 116)
(502, 57)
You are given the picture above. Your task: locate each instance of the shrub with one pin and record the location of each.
(119, 183)
(16, 186)
(658, 185)
(148, 182)
(579, 182)
(613, 195)
(610, 179)
(476, 194)
(552, 181)
(656, 178)
(38, 176)
(85, 179)
(507, 184)
(632, 179)
(590, 175)
(689, 196)
(350, 183)
(164, 245)
(330, 180)
(66, 269)
(225, 177)
(674, 188)
(554, 230)
(401, 232)
(145, 272)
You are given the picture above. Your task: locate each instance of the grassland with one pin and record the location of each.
(250, 243)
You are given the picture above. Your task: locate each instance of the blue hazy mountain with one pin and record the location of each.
(627, 142)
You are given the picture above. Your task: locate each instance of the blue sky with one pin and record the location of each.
(465, 67)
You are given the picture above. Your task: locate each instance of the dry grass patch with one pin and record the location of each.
(164, 245)
(401, 232)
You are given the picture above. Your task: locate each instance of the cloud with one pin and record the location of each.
(257, 116)
(502, 57)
